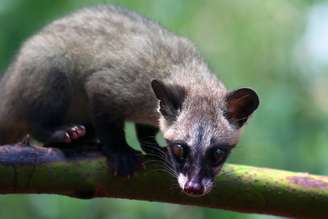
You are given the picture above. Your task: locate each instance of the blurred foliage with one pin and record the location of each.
(261, 44)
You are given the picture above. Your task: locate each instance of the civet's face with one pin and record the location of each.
(197, 165)
(200, 132)
(199, 144)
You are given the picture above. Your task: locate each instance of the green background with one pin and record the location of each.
(278, 47)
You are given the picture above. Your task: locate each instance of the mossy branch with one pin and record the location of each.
(27, 169)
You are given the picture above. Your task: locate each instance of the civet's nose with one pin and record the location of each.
(194, 188)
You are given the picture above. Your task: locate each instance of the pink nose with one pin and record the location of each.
(193, 188)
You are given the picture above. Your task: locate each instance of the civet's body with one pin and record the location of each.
(94, 69)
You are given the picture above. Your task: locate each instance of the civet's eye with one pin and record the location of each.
(217, 157)
(178, 151)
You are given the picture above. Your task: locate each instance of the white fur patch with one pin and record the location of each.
(208, 185)
(182, 179)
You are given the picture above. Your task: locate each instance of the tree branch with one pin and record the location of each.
(27, 169)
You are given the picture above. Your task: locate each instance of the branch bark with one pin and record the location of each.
(30, 169)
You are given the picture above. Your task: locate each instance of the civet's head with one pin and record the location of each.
(201, 128)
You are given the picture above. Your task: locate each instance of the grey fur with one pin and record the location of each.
(103, 49)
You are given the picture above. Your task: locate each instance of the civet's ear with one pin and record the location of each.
(170, 98)
(240, 104)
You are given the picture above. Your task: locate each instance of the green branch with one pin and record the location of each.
(25, 169)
